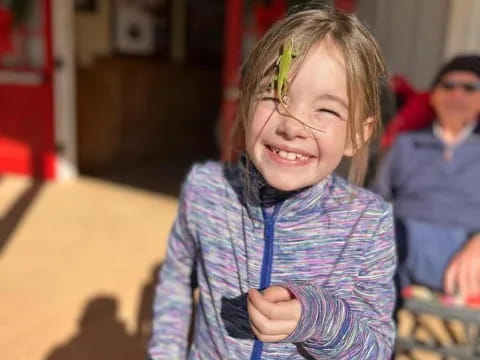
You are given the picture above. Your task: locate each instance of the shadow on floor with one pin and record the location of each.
(101, 335)
(145, 311)
(9, 222)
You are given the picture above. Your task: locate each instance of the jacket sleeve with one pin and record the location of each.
(173, 295)
(358, 327)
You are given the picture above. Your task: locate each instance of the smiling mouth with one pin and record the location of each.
(287, 155)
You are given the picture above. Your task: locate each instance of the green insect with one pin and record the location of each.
(283, 65)
(280, 83)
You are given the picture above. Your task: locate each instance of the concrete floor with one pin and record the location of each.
(76, 267)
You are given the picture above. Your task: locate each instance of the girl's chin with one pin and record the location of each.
(285, 183)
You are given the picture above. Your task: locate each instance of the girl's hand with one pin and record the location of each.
(274, 313)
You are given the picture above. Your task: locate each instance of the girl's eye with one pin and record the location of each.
(271, 98)
(267, 97)
(328, 111)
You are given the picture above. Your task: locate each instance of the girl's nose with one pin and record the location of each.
(290, 126)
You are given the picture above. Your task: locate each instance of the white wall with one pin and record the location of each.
(411, 34)
(418, 36)
(463, 35)
(93, 33)
(64, 88)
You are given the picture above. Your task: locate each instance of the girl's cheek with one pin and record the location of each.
(261, 121)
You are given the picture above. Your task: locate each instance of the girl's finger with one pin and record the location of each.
(277, 293)
(267, 338)
(261, 304)
(266, 326)
(282, 310)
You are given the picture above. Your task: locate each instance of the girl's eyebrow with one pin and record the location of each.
(335, 98)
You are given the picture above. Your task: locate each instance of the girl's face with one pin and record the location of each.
(291, 155)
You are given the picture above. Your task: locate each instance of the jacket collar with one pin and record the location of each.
(427, 137)
(255, 193)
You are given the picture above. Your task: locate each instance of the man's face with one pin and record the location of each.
(456, 98)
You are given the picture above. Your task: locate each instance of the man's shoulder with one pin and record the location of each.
(416, 135)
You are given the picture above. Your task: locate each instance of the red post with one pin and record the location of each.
(6, 27)
(234, 12)
(345, 5)
(49, 155)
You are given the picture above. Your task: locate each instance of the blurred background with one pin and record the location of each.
(104, 105)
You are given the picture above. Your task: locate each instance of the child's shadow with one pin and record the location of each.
(145, 310)
(144, 329)
(101, 335)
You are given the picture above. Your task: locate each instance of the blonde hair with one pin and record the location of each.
(364, 65)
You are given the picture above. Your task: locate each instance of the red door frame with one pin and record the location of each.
(27, 144)
(233, 30)
(345, 5)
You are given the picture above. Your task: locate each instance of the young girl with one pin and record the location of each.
(292, 261)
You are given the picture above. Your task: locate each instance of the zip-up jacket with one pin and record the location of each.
(331, 245)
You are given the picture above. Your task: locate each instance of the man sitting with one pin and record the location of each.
(433, 179)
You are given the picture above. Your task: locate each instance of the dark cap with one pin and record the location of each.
(469, 63)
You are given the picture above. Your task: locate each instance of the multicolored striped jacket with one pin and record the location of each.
(331, 244)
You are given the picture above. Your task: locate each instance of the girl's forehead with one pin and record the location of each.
(323, 69)
(326, 54)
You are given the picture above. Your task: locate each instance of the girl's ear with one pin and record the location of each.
(367, 133)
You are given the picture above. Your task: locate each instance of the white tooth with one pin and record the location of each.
(291, 156)
(283, 154)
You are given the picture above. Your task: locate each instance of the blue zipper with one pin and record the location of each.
(266, 272)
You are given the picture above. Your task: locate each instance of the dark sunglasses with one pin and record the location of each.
(468, 87)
